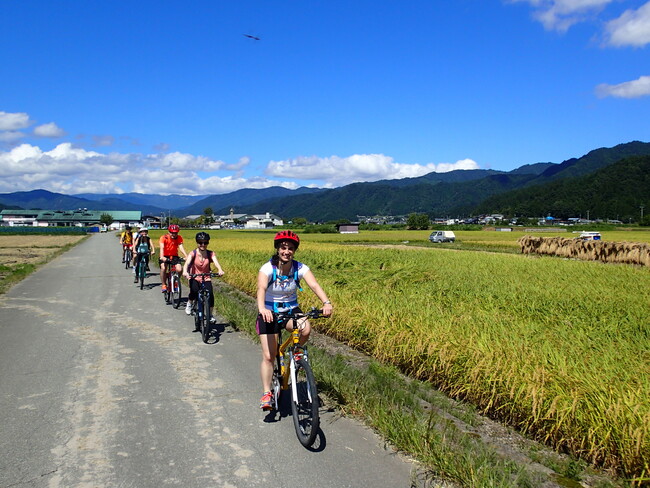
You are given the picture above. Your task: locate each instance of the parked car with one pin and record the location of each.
(442, 236)
(589, 236)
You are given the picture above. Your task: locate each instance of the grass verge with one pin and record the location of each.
(449, 439)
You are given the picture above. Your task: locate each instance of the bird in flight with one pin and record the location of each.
(251, 37)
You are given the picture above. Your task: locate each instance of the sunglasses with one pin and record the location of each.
(202, 243)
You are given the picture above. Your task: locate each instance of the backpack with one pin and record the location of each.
(294, 268)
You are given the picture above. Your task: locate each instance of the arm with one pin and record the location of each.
(186, 269)
(262, 284)
(216, 263)
(310, 279)
(180, 246)
(153, 249)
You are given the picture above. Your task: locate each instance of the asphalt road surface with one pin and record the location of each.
(103, 385)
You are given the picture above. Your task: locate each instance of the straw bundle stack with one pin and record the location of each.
(605, 251)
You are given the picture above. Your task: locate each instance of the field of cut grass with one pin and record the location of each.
(20, 255)
(555, 347)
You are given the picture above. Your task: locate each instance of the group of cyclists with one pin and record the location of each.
(278, 283)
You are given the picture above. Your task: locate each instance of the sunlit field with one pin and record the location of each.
(556, 347)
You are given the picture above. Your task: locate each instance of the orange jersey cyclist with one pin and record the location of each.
(170, 243)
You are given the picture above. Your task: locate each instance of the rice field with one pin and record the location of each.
(555, 347)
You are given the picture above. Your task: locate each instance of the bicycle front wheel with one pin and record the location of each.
(304, 403)
(176, 290)
(127, 259)
(205, 325)
(142, 272)
(168, 292)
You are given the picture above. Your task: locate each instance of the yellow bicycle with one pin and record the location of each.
(292, 370)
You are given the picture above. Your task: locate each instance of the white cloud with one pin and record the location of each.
(14, 121)
(560, 15)
(629, 89)
(11, 136)
(632, 28)
(69, 169)
(49, 130)
(336, 171)
(177, 161)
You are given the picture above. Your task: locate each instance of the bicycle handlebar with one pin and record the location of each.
(314, 313)
(211, 275)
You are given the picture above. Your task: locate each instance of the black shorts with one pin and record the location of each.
(271, 327)
(195, 286)
(173, 259)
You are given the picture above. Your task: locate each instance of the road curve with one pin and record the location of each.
(102, 384)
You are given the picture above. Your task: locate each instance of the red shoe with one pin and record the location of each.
(266, 402)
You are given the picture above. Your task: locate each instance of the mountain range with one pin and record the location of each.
(533, 190)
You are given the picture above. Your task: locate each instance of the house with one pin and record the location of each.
(68, 218)
(351, 228)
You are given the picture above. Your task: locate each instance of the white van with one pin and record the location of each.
(442, 236)
(589, 236)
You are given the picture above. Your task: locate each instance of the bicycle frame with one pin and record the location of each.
(173, 275)
(304, 393)
(202, 310)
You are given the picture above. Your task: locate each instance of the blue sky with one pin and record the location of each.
(172, 97)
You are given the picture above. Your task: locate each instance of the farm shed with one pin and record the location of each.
(352, 228)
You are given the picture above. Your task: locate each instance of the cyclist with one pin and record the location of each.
(142, 249)
(126, 239)
(278, 282)
(199, 262)
(170, 243)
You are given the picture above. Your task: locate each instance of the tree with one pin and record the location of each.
(299, 221)
(106, 219)
(417, 221)
(208, 212)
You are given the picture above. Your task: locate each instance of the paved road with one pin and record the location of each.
(101, 384)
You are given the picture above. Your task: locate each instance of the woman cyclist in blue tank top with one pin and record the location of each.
(278, 282)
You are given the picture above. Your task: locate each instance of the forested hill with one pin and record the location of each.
(447, 194)
(614, 192)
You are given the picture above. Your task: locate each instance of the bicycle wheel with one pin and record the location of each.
(127, 259)
(304, 403)
(197, 316)
(142, 271)
(205, 323)
(168, 291)
(176, 290)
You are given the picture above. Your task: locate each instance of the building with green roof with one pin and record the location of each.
(69, 218)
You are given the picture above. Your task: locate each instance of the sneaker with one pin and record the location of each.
(213, 320)
(266, 402)
(164, 289)
(135, 280)
(188, 308)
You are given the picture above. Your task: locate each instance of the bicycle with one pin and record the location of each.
(201, 307)
(142, 261)
(128, 256)
(292, 370)
(173, 282)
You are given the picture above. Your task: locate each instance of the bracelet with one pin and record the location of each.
(327, 303)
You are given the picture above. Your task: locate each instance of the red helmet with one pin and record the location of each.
(174, 228)
(286, 235)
